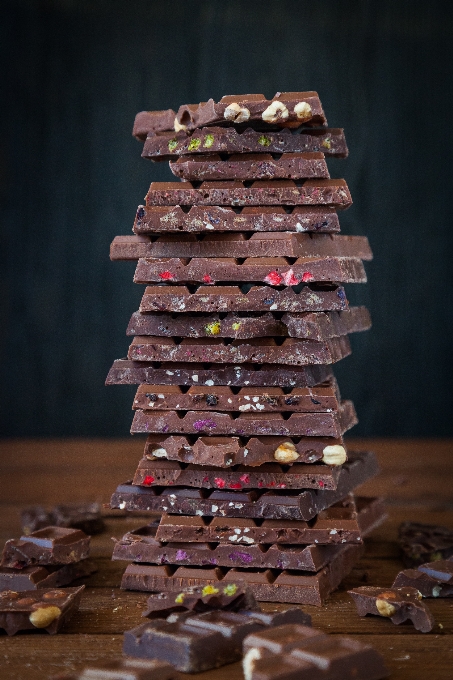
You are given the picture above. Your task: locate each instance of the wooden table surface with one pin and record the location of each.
(416, 478)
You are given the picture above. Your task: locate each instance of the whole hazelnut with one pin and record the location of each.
(334, 455)
(236, 113)
(43, 617)
(286, 453)
(303, 110)
(275, 112)
(385, 608)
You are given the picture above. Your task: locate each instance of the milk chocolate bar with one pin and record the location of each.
(163, 219)
(153, 121)
(141, 545)
(41, 609)
(313, 325)
(433, 579)
(310, 298)
(126, 669)
(247, 424)
(396, 604)
(30, 578)
(83, 516)
(124, 372)
(295, 652)
(332, 192)
(276, 271)
(286, 585)
(292, 351)
(256, 503)
(425, 542)
(52, 545)
(167, 145)
(232, 245)
(251, 166)
(197, 642)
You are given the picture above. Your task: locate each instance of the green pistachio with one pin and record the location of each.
(172, 144)
(194, 144)
(264, 141)
(208, 141)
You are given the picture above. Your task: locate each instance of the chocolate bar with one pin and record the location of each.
(256, 503)
(83, 516)
(126, 669)
(153, 121)
(267, 585)
(141, 545)
(197, 642)
(30, 578)
(425, 542)
(433, 579)
(396, 604)
(292, 351)
(251, 166)
(231, 245)
(156, 219)
(167, 145)
(52, 545)
(313, 325)
(124, 372)
(275, 271)
(41, 609)
(295, 652)
(310, 298)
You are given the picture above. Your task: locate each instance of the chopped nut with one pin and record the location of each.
(303, 110)
(43, 617)
(334, 455)
(236, 113)
(160, 452)
(385, 608)
(286, 453)
(275, 112)
(178, 126)
(248, 662)
(208, 141)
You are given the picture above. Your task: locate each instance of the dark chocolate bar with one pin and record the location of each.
(141, 545)
(425, 542)
(124, 372)
(163, 219)
(310, 325)
(275, 504)
(251, 167)
(30, 578)
(267, 585)
(433, 579)
(52, 545)
(40, 609)
(292, 351)
(275, 271)
(83, 516)
(153, 121)
(126, 669)
(168, 145)
(396, 604)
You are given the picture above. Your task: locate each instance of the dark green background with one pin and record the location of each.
(74, 75)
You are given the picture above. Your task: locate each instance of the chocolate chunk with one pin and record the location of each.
(30, 578)
(52, 545)
(198, 642)
(310, 325)
(251, 167)
(433, 579)
(153, 121)
(275, 504)
(287, 585)
(292, 351)
(126, 669)
(275, 271)
(163, 219)
(397, 604)
(83, 516)
(167, 145)
(44, 608)
(124, 372)
(425, 542)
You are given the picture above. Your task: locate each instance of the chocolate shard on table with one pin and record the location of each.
(297, 587)
(126, 669)
(83, 516)
(125, 372)
(163, 219)
(425, 542)
(255, 503)
(153, 121)
(275, 271)
(433, 579)
(195, 642)
(396, 604)
(292, 351)
(49, 546)
(168, 145)
(311, 325)
(295, 652)
(251, 167)
(141, 545)
(41, 609)
(30, 578)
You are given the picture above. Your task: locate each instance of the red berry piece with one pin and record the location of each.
(307, 276)
(273, 279)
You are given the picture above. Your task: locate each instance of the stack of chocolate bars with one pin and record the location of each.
(243, 315)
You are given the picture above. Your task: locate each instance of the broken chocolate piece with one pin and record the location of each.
(397, 604)
(30, 578)
(83, 516)
(153, 121)
(433, 579)
(38, 609)
(425, 542)
(126, 669)
(52, 545)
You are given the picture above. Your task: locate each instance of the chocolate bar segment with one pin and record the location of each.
(310, 325)
(52, 545)
(83, 516)
(433, 579)
(425, 542)
(41, 609)
(30, 578)
(163, 219)
(168, 145)
(396, 604)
